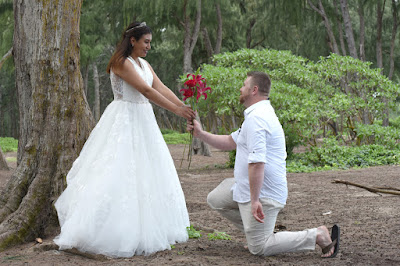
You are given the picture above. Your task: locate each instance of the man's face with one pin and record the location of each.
(245, 92)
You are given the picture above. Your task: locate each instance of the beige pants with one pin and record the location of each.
(260, 237)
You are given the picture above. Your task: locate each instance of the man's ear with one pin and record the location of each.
(255, 90)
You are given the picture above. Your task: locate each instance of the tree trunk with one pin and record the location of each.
(3, 162)
(393, 39)
(218, 42)
(190, 37)
(96, 105)
(200, 147)
(329, 31)
(55, 119)
(379, 17)
(362, 29)
(348, 29)
(379, 58)
(248, 32)
(86, 80)
(340, 29)
(206, 38)
(189, 44)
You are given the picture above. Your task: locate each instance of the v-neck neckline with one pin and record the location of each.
(138, 64)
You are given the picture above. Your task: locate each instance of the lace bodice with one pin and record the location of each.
(125, 92)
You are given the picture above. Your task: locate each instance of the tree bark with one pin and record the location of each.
(379, 17)
(218, 42)
(3, 162)
(329, 31)
(348, 29)
(200, 147)
(248, 32)
(340, 29)
(362, 29)
(393, 39)
(86, 80)
(55, 119)
(190, 37)
(206, 38)
(188, 46)
(96, 105)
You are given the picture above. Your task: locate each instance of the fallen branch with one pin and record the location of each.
(370, 189)
(7, 55)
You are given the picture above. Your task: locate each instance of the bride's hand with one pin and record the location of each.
(185, 112)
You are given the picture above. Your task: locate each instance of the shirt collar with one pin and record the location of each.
(254, 106)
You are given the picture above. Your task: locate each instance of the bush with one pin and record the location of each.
(8, 144)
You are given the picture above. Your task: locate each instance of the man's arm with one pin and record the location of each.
(256, 178)
(222, 142)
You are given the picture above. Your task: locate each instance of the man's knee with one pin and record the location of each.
(256, 249)
(212, 200)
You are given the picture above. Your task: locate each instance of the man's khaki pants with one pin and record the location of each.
(261, 239)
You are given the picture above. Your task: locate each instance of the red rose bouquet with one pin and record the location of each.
(195, 86)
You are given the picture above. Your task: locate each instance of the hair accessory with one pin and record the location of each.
(138, 26)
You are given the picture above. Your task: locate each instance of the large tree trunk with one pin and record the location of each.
(55, 119)
(348, 29)
(3, 162)
(321, 11)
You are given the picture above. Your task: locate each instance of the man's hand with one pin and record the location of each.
(194, 126)
(257, 211)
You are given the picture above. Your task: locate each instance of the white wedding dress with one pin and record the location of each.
(123, 195)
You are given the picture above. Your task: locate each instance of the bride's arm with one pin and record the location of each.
(127, 72)
(164, 90)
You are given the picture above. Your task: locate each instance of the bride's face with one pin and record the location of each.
(142, 46)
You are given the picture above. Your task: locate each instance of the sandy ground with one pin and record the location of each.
(370, 223)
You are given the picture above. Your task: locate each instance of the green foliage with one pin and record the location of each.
(174, 137)
(218, 235)
(8, 144)
(231, 161)
(331, 155)
(192, 232)
(330, 97)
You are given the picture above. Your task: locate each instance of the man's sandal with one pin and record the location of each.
(335, 237)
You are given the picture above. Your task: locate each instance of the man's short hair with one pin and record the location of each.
(261, 80)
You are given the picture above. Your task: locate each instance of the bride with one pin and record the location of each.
(123, 195)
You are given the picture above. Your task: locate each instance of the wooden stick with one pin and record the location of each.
(370, 189)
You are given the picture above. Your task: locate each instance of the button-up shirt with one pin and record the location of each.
(260, 140)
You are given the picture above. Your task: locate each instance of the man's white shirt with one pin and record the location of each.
(260, 139)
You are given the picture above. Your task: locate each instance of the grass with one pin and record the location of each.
(174, 137)
(8, 144)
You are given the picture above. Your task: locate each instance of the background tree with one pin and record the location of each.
(54, 116)
(3, 162)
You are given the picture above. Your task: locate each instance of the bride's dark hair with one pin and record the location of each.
(124, 47)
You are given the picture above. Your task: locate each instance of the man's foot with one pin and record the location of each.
(328, 243)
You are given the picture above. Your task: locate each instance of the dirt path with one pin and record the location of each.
(370, 223)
